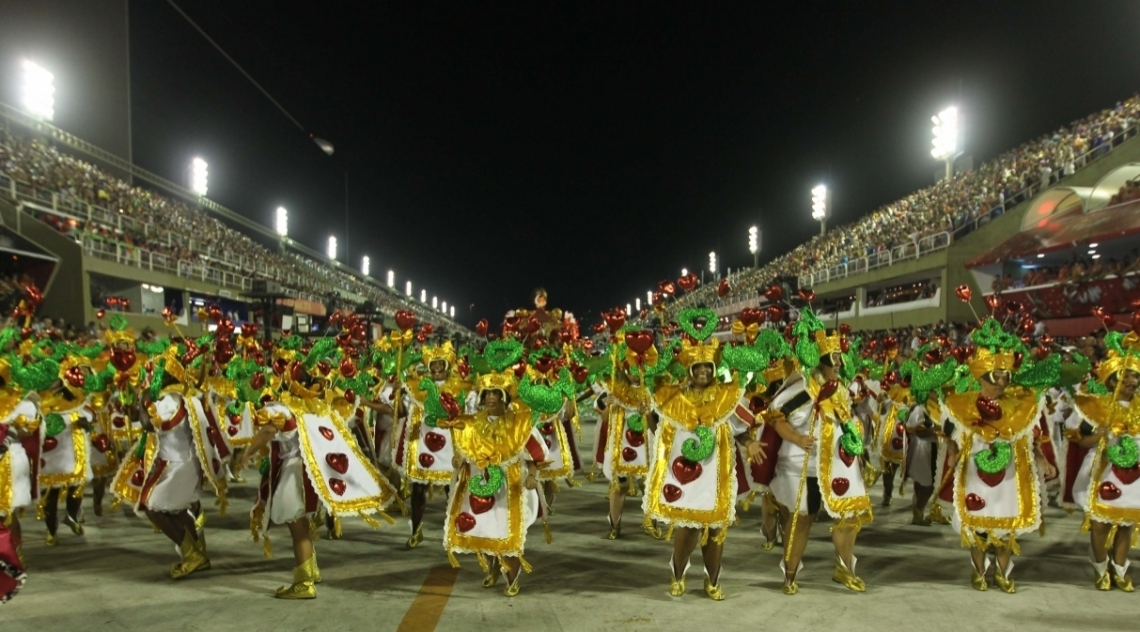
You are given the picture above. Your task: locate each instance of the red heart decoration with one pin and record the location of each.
(449, 403)
(480, 504)
(435, 441)
(897, 443)
(807, 295)
(993, 301)
(974, 502)
(337, 461)
(752, 315)
(775, 313)
(635, 439)
(671, 492)
(119, 422)
(50, 444)
(426, 460)
(614, 319)
(405, 320)
(666, 287)
(101, 443)
(723, 288)
(688, 282)
(1127, 476)
(992, 479)
(964, 293)
(465, 522)
(1108, 491)
(840, 486)
(639, 341)
(628, 454)
(845, 457)
(481, 327)
(338, 486)
(686, 471)
(327, 433)
(233, 430)
(774, 294)
(138, 477)
(989, 409)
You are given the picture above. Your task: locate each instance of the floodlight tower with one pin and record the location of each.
(754, 245)
(819, 206)
(39, 91)
(946, 138)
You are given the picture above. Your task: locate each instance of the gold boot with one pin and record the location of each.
(72, 524)
(316, 569)
(652, 530)
(199, 521)
(1103, 579)
(790, 586)
(304, 580)
(1001, 578)
(917, 517)
(512, 588)
(193, 557)
(1120, 576)
(978, 578)
(846, 576)
(714, 591)
(936, 516)
(417, 537)
(492, 577)
(615, 529)
(51, 540)
(677, 584)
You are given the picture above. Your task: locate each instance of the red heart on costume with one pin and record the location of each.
(480, 504)
(686, 471)
(101, 443)
(547, 428)
(50, 444)
(119, 422)
(337, 461)
(671, 492)
(1127, 476)
(989, 409)
(137, 478)
(465, 522)
(233, 430)
(974, 502)
(897, 443)
(435, 441)
(338, 486)
(1108, 491)
(635, 439)
(327, 433)
(992, 479)
(639, 341)
(628, 454)
(840, 486)
(845, 457)
(426, 460)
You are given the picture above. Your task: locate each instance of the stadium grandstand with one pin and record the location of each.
(1052, 223)
(93, 241)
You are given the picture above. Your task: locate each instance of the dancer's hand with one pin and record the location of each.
(756, 451)
(531, 482)
(805, 442)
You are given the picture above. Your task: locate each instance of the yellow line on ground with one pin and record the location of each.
(428, 605)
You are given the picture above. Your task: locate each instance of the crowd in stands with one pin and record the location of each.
(1080, 270)
(902, 293)
(181, 236)
(1130, 192)
(953, 207)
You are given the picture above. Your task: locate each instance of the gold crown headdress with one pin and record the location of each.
(995, 349)
(436, 353)
(694, 353)
(1123, 355)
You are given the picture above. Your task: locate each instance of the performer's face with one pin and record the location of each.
(493, 400)
(702, 375)
(1128, 385)
(994, 384)
(438, 370)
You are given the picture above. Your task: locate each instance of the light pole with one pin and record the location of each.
(39, 91)
(332, 249)
(452, 312)
(712, 264)
(408, 288)
(199, 177)
(754, 245)
(423, 296)
(443, 306)
(365, 265)
(392, 278)
(282, 226)
(819, 204)
(946, 138)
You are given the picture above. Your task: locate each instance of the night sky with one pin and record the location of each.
(596, 148)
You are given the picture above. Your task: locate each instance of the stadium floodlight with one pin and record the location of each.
(423, 296)
(628, 308)
(408, 288)
(452, 312)
(39, 91)
(649, 297)
(443, 306)
(332, 248)
(365, 264)
(946, 138)
(391, 278)
(754, 245)
(819, 203)
(435, 302)
(199, 177)
(282, 221)
(684, 272)
(637, 304)
(712, 262)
